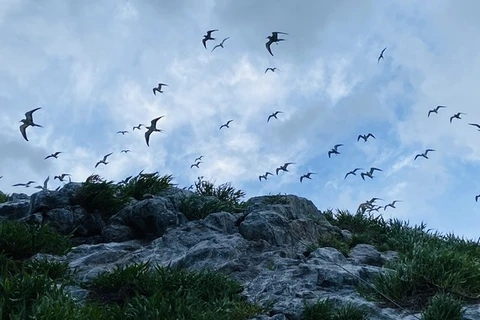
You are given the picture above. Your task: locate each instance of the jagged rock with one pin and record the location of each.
(261, 248)
(14, 209)
(47, 200)
(14, 197)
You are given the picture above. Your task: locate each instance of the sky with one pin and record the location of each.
(91, 67)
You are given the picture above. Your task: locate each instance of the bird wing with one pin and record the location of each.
(371, 135)
(360, 136)
(301, 178)
(225, 39)
(430, 111)
(106, 156)
(270, 116)
(268, 46)
(426, 151)
(154, 122)
(23, 128)
(29, 114)
(147, 136)
(204, 40)
(418, 155)
(347, 175)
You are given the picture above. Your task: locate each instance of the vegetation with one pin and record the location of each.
(151, 183)
(326, 310)
(3, 197)
(209, 199)
(434, 272)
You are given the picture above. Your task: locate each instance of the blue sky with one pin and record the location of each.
(91, 66)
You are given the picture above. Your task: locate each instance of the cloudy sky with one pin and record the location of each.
(91, 67)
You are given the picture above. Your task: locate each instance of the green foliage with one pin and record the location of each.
(224, 192)
(3, 197)
(326, 310)
(97, 194)
(334, 240)
(275, 199)
(198, 207)
(443, 307)
(142, 184)
(20, 241)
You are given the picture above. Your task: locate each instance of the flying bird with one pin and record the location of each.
(334, 150)
(207, 37)
(125, 151)
(373, 169)
(352, 172)
(159, 89)
(44, 187)
(61, 177)
(306, 176)
(435, 110)
(265, 176)
(26, 185)
(273, 38)
(365, 137)
(423, 154)
(28, 121)
(271, 69)
(125, 181)
(274, 115)
(198, 159)
(381, 56)
(391, 205)
(221, 44)
(104, 161)
(195, 165)
(284, 167)
(475, 125)
(152, 128)
(138, 127)
(457, 116)
(53, 155)
(225, 125)
(122, 132)
(476, 197)
(371, 201)
(368, 174)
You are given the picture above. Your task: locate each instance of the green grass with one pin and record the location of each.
(3, 197)
(327, 310)
(142, 184)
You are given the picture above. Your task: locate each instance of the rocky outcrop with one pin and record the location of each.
(263, 248)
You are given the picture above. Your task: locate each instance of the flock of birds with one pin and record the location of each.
(274, 38)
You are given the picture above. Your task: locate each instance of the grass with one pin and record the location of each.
(327, 310)
(3, 197)
(142, 184)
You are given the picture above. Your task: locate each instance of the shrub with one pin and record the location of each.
(443, 307)
(3, 197)
(142, 184)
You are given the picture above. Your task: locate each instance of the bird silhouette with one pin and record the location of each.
(44, 187)
(198, 159)
(365, 137)
(306, 176)
(61, 177)
(457, 116)
(284, 167)
(381, 56)
(352, 172)
(138, 127)
(207, 37)
(475, 125)
(273, 115)
(152, 128)
(158, 89)
(334, 150)
(26, 185)
(273, 38)
(391, 204)
(104, 161)
(195, 165)
(423, 154)
(122, 132)
(28, 121)
(125, 151)
(435, 110)
(271, 69)
(476, 197)
(226, 125)
(221, 44)
(53, 155)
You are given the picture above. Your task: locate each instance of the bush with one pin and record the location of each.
(142, 184)
(3, 197)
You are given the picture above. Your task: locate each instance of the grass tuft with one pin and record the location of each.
(3, 197)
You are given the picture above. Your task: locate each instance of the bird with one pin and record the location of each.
(26, 185)
(271, 69)
(371, 201)
(198, 159)
(368, 174)
(365, 137)
(152, 128)
(373, 169)
(352, 172)
(265, 176)
(381, 56)
(334, 150)
(53, 155)
(273, 38)
(475, 125)
(104, 161)
(61, 177)
(225, 125)
(391, 204)
(138, 127)
(221, 44)
(307, 176)
(1, 177)
(125, 151)
(435, 110)
(423, 154)
(28, 121)
(476, 197)
(122, 132)
(274, 115)
(195, 165)
(284, 167)
(125, 181)
(457, 116)
(44, 187)
(207, 37)
(159, 89)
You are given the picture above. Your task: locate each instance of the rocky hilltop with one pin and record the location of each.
(282, 250)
